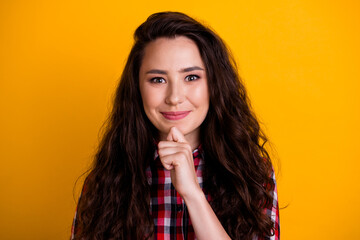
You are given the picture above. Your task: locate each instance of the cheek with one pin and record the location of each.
(200, 96)
(151, 99)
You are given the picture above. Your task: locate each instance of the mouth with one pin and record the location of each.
(175, 115)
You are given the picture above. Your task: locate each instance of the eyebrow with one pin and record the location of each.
(156, 71)
(189, 69)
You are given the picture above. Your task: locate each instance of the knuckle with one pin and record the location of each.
(187, 148)
(161, 144)
(160, 152)
(167, 167)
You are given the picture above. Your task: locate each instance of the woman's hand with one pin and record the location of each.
(176, 155)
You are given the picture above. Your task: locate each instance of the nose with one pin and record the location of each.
(175, 93)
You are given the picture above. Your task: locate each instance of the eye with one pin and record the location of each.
(157, 80)
(191, 78)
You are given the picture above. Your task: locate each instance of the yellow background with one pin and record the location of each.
(60, 62)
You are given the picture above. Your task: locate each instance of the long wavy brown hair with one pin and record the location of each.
(237, 175)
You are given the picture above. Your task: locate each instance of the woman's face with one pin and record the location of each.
(174, 86)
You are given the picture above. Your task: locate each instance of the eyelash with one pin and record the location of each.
(191, 76)
(187, 78)
(156, 79)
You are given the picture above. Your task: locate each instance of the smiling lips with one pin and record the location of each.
(175, 115)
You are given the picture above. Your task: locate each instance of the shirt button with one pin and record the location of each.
(179, 208)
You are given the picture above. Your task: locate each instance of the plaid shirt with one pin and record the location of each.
(168, 209)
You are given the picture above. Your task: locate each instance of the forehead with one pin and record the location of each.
(171, 53)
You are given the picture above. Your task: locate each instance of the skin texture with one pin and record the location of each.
(173, 80)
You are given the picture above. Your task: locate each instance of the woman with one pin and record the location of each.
(210, 178)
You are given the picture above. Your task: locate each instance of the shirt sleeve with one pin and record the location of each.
(74, 227)
(273, 212)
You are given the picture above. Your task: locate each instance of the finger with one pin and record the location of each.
(174, 160)
(170, 147)
(170, 150)
(175, 135)
(167, 166)
(165, 144)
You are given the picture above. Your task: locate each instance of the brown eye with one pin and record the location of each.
(157, 80)
(191, 78)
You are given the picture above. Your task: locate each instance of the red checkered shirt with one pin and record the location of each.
(168, 209)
